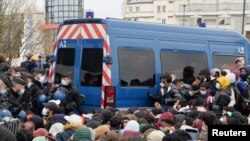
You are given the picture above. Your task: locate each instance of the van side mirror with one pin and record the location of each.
(107, 59)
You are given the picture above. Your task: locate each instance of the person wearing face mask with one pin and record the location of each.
(205, 93)
(31, 63)
(50, 108)
(40, 77)
(73, 100)
(15, 72)
(195, 98)
(4, 84)
(35, 91)
(165, 96)
(19, 97)
(223, 93)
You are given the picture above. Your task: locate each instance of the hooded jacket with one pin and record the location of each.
(69, 130)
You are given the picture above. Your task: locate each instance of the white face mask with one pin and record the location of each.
(162, 84)
(191, 93)
(64, 82)
(44, 112)
(43, 79)
(29, 84)
(21, 91)
(3, 91)
(203, 92)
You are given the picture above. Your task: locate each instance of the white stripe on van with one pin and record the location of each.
(83, 33)
(61, 31)
(92, 31)
(76, 33)
(70, 31)
(101, 29)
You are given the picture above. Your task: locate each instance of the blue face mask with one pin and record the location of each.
(217, 86)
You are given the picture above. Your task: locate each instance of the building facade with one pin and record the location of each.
(59, 10)
(225, 14)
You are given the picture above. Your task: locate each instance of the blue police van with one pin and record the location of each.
(116, 62)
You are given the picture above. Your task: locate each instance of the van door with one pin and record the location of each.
(65, 62)
(89, 71)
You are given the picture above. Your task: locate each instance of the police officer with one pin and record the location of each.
(19, 97)
(4, 85)
(35, 90)
(41, 77)
(73, 99)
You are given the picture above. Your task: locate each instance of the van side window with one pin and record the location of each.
(225, 61)
(137, 68)
(65, 62)
(175, 62)
(91, 67)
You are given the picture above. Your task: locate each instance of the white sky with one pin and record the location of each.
(101, 8)
(105, 8)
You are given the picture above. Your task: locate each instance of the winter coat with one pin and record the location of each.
(72, 100)
(222, 97)
(18, 102)
(69, 130)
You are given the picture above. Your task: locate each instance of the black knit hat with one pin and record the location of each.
(167, 77)
(25, 75)
(67, 74)
(17, 80)
(39, 71)
(195, 87)
(205, 72)
(52, 106)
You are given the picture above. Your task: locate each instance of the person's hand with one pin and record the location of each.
(196, 82)
(177, 103)
(201, 109)
(157, 105)
(50, 137)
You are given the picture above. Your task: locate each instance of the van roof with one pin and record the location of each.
(125, 25)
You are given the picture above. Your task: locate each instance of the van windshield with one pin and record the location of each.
(65, 63)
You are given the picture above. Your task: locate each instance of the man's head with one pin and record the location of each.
(166, 79)
(18, 85)
(66, 79)
(240, 62)
(204, 88)
(203, 75)
(40, 75)
(50, 109)
(29, 125)
(28, 54)
(177, 83)
(3, 87)
(28, 78)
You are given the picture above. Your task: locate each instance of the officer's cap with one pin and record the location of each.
(67, 74)
(26, 75)
(17, 80)
(39, 71)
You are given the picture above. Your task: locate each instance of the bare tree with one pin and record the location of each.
(19, 28)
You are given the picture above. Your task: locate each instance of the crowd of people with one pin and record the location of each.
(184, 108)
